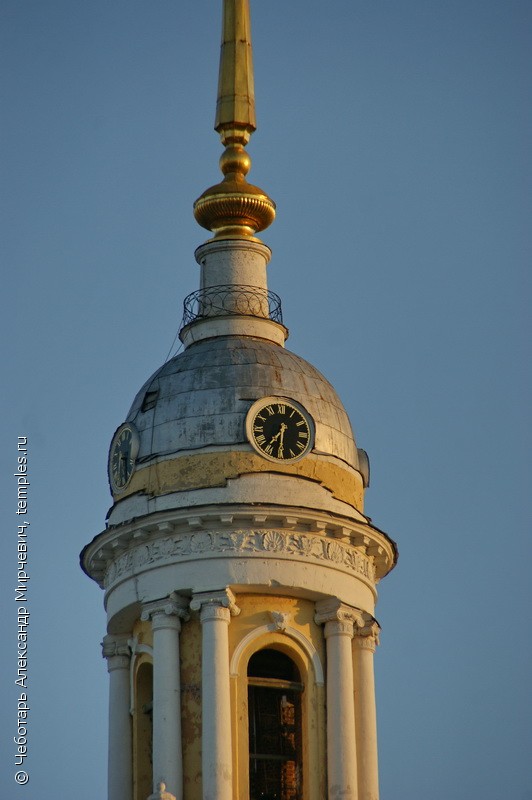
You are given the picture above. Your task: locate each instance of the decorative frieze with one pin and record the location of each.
(244, 543)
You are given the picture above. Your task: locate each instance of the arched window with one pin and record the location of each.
(274, 707)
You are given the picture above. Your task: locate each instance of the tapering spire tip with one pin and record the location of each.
(235, 208)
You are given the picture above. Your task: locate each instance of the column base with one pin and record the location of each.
(161, 793)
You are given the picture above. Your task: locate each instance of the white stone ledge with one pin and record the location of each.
(233, 325)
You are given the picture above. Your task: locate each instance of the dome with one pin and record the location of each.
(191, 444)
(200, 399)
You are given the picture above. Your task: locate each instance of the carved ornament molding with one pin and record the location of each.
(241, 543)
(208, 532)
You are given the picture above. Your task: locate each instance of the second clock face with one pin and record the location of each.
(122, 455)
(279, 429)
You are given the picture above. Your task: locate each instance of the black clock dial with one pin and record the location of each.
(280, 430)
(122, 457)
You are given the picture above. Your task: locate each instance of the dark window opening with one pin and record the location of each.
(143, 733)
(150, 399)
(274, 706)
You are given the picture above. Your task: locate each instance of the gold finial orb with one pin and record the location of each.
(234, 208)
(235, 160)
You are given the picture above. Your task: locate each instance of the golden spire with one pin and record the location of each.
(235, 107)
(234, 208)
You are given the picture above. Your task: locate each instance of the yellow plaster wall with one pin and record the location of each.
(190, 657)
(143, 693)
(143, 633)
(207, 470)
(142, 742)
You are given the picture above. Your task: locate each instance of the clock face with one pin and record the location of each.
(280, 429)
(122, 456)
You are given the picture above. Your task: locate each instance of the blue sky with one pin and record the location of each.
(394, 137)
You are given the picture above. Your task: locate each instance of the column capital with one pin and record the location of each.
(215, 605)
(337, 616)
(117, 651)
(166, 612)
(367, 637)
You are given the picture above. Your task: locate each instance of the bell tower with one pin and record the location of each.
(238, 567)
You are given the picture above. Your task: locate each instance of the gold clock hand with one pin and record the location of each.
(280, 433)
(280, 450)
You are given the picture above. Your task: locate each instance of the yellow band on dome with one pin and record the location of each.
(208, 470)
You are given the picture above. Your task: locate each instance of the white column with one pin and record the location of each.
(120, 758)
(217, 753)
(166, 618)
(364, 644)
(341, 738)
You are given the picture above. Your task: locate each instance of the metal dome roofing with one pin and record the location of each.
(200, 398)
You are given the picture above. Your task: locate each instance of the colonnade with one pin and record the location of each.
(352, 768)
(351, 720)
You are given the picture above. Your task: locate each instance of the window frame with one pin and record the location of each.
(277, 686)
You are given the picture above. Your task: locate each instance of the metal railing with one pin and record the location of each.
(231, 299)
